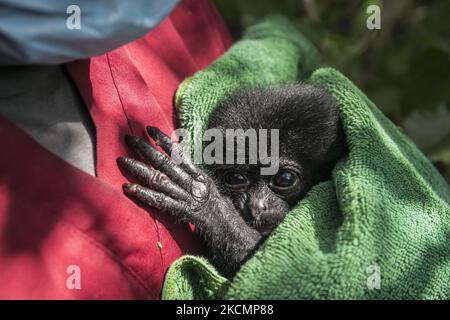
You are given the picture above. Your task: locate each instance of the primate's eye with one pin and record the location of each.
(284, 179)
(235, 179)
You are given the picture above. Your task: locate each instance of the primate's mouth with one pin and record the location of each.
(263, 226)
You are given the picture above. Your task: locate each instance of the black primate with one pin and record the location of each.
(234, 207)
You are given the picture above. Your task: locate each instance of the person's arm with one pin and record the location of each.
(69, 31)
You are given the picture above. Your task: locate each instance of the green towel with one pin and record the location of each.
(271, 52)
(379, 229)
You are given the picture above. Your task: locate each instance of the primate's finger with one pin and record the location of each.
(161, 139)
(154, 199)
(172, 148)
(160, 161)
(154, 179)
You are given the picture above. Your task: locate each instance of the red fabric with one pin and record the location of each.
(53, 215)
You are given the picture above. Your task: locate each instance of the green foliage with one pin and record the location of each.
(404, 67)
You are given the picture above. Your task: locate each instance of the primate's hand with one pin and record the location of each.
(182, 190)
(187, 193)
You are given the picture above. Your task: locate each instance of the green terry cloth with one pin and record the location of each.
(379, 229)
(271, 52)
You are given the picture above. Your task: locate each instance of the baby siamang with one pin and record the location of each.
(235, 206)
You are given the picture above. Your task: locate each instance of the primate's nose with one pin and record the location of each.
(258, 207)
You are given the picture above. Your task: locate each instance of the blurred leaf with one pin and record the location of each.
(430, 130)
(427, 83)
(387, 99)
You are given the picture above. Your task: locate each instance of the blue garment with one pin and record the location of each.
(46, 31)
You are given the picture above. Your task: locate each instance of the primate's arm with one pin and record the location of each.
(187, 193)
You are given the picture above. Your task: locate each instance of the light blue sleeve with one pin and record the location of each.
(43, 32)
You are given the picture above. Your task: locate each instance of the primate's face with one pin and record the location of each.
(310, 142)
(262, 200)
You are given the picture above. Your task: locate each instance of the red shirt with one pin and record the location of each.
(57, 222)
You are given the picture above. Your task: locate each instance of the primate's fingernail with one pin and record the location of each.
(122, 161)
(129, 188)
(152, 131)
(131, 139)
(128, 139)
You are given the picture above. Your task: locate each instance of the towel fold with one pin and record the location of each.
(379, 229)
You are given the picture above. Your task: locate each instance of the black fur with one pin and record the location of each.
(311, 140)
(235, 219)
